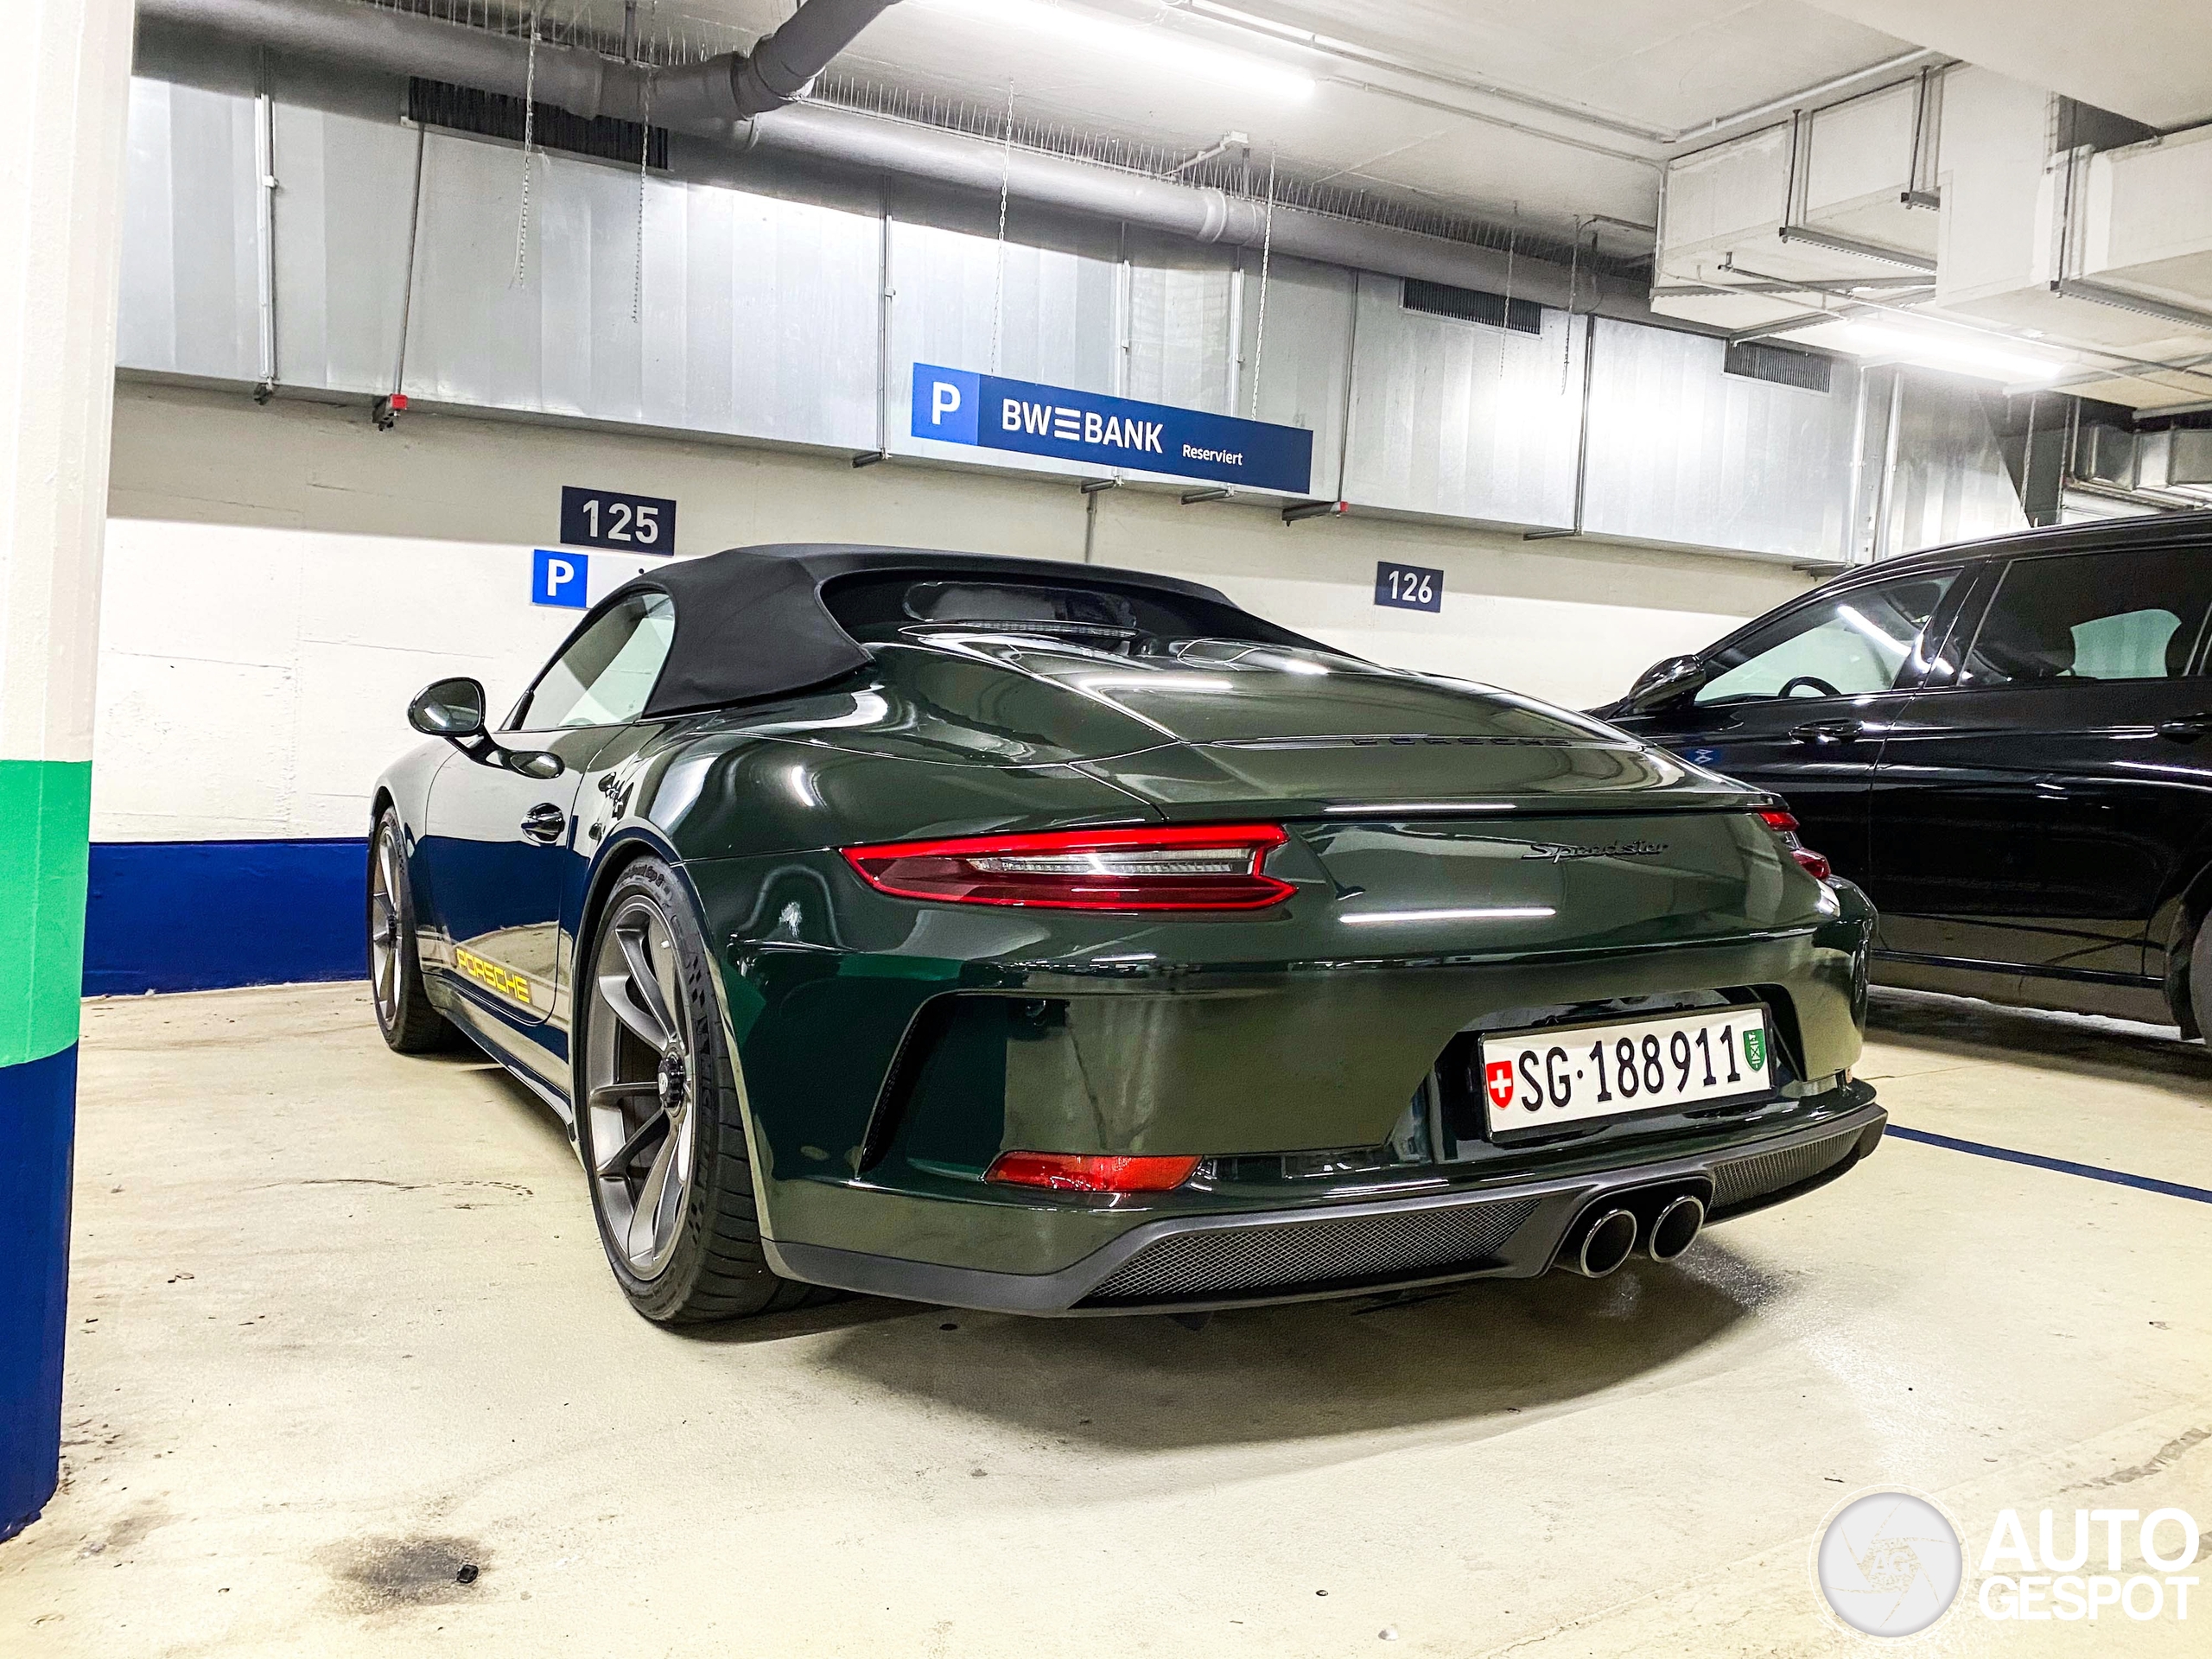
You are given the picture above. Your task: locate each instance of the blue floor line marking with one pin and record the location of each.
(2064, 1167)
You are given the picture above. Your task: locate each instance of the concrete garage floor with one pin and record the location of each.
(342, 1324)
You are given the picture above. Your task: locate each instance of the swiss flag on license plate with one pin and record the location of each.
(1498, 1074)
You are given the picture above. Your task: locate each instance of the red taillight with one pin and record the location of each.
(1785, 825)
(1174, 866)
(1077, 1171)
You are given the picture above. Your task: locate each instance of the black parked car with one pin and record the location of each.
(2005, 744)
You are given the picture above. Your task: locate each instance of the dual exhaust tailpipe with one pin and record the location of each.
(1608, 1233)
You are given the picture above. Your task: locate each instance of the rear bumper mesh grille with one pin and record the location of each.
(1745, 1178)
(1289, 1256)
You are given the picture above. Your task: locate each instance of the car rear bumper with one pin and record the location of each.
(1510, 1228)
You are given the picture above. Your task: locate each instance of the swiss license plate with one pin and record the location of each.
(1535, 1080)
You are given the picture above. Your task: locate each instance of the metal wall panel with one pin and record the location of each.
(345, 197)
(190, 295)
(1182, 299)
(1679, 451)
(1060, 321)
(1951, 484)
(756, 315)
(1462, 419)
(1299, 373)
(762, 315)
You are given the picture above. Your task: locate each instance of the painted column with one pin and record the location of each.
(61, 147)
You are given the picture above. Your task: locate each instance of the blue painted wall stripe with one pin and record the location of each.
(2063, 1166)
(37, 1120)
(201, 915)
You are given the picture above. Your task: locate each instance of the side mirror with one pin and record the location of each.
(454, 709)
(1665, 682)
(451, 709)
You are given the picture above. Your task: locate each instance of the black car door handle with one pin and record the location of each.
(2185, 728)
(544, 823)
(1829, 731)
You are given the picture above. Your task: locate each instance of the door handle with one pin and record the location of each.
(2185, 728)
(1829, 731)
(544, 822)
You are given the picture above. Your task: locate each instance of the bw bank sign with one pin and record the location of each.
(953, 406)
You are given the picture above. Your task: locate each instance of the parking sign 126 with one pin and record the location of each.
(1408, 587)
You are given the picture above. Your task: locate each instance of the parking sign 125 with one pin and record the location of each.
(1408, 587)
(635, 524)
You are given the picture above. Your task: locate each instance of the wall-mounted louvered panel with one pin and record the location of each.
(1681, 451)
(192, 254)
(1462, 419)
(1301, 369)
(1058, 319)
(1951, 484)
(1181, 299)
(756, 315)
(346, 196)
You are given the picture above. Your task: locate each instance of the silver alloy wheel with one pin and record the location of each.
(384, 924)
(641, 1072)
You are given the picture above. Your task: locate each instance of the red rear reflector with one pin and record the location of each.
(1172, 867)
(1785, 825)
(1077, 1171)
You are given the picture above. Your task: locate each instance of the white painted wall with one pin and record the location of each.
(281, 580)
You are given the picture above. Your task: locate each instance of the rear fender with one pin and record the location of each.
(622, 848)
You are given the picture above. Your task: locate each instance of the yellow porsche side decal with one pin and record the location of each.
(505, 980)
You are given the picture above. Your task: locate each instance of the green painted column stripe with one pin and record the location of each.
(46, 817)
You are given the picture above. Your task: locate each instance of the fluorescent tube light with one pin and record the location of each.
(1153, 48)
(1960, 353)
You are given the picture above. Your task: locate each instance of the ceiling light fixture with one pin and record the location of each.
(1955, 353)
(1155, 49)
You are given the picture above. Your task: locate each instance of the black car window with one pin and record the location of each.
(878, 609)
(2131, 615)
(607, 671)
(1860, 641)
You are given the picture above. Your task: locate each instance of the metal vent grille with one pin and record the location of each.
(1779, 363)
(1746, 1178)
(1474, 305)
(463, 108)
(1311, 1254)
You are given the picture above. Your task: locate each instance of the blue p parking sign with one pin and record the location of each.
(558, 578)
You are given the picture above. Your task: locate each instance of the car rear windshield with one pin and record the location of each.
(882, 608)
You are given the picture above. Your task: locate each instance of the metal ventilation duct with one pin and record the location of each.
(744, 101)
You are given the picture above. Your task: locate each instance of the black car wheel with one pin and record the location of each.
(659, 1125)
(2200, 980)
(409, 1024)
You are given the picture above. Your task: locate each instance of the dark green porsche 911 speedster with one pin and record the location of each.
(1056, 940)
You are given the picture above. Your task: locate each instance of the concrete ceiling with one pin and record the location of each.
(2149, 60)
(1439, 101)
(1669, 64)
(1539, 115)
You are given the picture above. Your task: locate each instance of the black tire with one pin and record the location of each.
(2200, 983)
(713, 1266)
(409, 1024)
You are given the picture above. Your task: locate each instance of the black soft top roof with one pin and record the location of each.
(751, 622)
